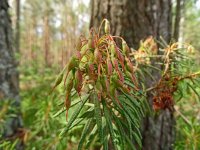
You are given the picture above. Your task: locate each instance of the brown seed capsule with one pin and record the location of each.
(115, 63)
(112, 49)
(67, 103)
(91, 42)
(129, 65)
(97, 56)
(109, 66)
(91, 71)
(79, 44)
(125, 48)
(74, 62)
(69, 86)
(69, 82)
(78, 55)
(78, 81)
(120, 58)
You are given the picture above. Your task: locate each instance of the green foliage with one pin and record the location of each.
(116, 95)
(118, 123)
(8, 145)
(103, 70)
(187, 108)
(191, 22)
(187, 129)
(44, 116)
(39, 110)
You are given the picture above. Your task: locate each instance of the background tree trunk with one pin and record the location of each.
(9, 85)
(17, 32)
(136, 20)
(179, 12)
(46, 40)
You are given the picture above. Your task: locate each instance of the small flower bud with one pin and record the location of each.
(107, 27)
(125, 48)
(97, 56)
(78, 80)
(79, 44)
(112, 49)
(67, 103)
(91, 42)
(109, 66)
(69, 81)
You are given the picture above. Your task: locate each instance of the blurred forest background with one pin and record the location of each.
(45, 32)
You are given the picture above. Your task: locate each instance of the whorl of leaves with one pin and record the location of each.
(104, 74)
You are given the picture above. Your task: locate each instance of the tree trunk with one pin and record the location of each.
(9, 85)
(136, 20)
(179, 12)
(17, 32)
(46, 40)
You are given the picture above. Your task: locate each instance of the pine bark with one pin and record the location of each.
(135, 20)
(46, 40)
(17, 33)
(9, 85)
(179, 14)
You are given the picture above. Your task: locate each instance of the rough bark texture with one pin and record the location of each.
(46, 40)
(179, 12)
(136, 20)
(17, 32)
(9, 86)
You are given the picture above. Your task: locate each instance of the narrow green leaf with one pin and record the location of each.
(98, 116)
(132, 100)
(180, 94)
(76, 122)
(134, 121)
(194, 90)
(59, 112)
(84, 134)
(135, 108)
(91, 137)
(105, 143)
(137, 139)
(88, 114)
(130, 143)
(120, 129)
(132, 113)
(118, 107)
(74, 116)
(109, 124)
(136, 134)
(129, 126)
